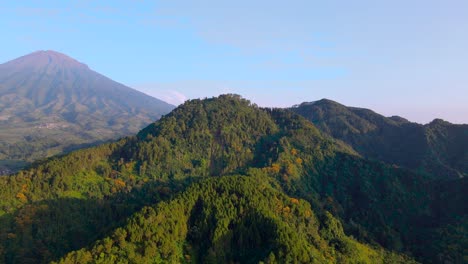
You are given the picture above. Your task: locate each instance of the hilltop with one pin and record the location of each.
(438, 148)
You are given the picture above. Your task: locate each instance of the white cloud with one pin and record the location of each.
(162, 92)
(171, 96)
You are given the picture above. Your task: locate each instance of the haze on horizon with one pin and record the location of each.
(396, 58)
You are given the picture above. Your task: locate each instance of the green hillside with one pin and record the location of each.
(438, 148)
(68, 203)
(231, 219)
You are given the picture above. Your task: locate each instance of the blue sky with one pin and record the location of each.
(407, 58)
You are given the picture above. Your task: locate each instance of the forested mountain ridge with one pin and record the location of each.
(231, 219)
(438, 148)
(69, 202)
(51, 103)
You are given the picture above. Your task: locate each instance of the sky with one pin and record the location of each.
(407, 58)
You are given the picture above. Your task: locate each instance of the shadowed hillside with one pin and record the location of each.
(439, 148)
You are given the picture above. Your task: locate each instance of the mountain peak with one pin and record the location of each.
(439, 121)
(43, 59)
(50, 97)
(323, 101)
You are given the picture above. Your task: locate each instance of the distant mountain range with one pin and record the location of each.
(51, 103)
(438, 148)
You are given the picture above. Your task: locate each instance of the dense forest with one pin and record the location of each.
(231, 219)
(438, 148)
(221, 174)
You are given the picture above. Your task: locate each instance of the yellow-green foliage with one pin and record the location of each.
(67, 203)
(229, 219)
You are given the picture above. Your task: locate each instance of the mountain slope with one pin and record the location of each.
(231, 219)
(438, 148)
(51, 103)
(102, 186)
